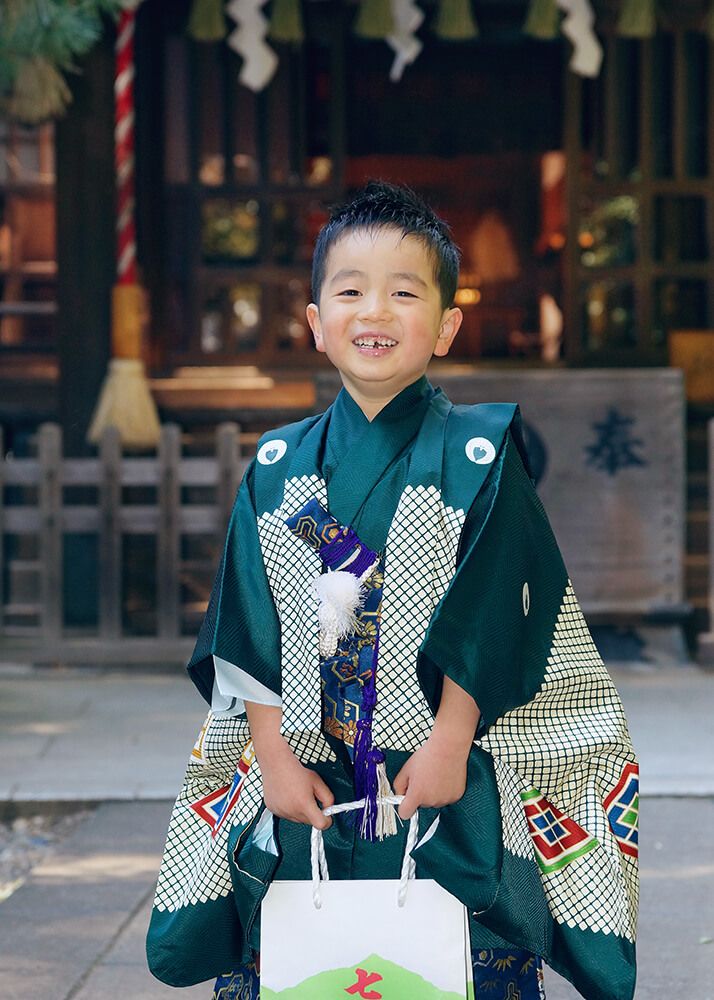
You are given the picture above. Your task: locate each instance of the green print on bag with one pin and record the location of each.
(394, 983)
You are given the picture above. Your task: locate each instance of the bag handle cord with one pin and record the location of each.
(318, 859)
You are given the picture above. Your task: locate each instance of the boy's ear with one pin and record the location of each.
(313, 317)
(450, 323)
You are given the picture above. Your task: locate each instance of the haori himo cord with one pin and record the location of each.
(392, 614)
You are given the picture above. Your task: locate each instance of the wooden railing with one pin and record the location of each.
(46, 498)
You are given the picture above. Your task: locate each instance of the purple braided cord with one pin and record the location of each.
(366, 756)
(334, 552)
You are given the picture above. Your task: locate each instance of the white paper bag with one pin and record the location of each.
(395, 939)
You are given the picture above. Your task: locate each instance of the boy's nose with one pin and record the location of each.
(375, 307)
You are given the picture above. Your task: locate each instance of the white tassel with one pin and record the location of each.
(386, 812)
(339, 594)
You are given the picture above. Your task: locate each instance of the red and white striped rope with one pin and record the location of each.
(124, 149)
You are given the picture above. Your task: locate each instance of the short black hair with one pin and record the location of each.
(381, 205)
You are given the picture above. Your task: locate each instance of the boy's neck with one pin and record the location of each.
(373, 399)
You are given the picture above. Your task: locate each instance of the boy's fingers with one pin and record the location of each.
(322, 792)
(408, 806)
(319, 821)
(400, 783)
(324, 798)
(311, 813)
(406, 810)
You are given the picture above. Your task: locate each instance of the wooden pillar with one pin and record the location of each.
(85, 240)
(85, 270)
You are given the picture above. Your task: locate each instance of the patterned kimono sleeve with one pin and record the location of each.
(237, 654)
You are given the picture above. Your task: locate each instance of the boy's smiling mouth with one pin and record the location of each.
(373, 344)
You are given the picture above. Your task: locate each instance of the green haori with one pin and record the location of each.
(475, 589)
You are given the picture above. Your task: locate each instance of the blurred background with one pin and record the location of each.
(572, 155)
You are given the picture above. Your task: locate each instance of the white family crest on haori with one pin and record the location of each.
(480, 451)
(272, 451)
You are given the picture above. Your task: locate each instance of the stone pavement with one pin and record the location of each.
(90, 735)
(75, 929)
(87, 734)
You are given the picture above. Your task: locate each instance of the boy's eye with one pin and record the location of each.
(349, 291)
(405, 294)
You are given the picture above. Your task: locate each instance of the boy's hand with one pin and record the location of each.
(434, 775)
(292, 791)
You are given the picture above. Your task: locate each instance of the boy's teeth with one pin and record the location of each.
(375, 342)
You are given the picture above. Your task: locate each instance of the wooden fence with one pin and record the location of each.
(45, 499)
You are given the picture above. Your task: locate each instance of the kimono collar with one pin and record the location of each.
(348, 424)
(409, 399)
(359, 452)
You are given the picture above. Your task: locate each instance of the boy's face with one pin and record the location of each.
(379, 318)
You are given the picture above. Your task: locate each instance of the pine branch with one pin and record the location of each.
(41, 39)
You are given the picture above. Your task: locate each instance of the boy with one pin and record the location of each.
(443, 653)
